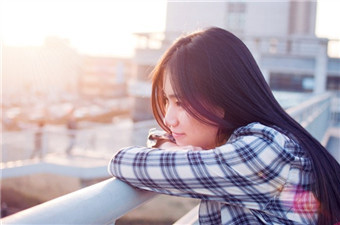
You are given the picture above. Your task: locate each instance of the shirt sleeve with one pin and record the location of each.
(248, 170)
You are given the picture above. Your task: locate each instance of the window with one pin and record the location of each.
(333, 83)
(236, 17)
(291, 82)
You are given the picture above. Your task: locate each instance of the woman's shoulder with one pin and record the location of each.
(257, 128)
(272, 134)
(270, 140)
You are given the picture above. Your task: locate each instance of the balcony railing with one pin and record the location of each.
(105, 202)
(314, 114)
(102, 203)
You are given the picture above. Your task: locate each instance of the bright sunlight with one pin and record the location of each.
(93, 27)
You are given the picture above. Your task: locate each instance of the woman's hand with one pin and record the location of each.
(161, 139)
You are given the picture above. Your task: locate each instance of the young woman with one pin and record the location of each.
(228, 142)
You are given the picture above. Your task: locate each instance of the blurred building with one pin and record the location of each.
(57, 68)
(45, 82)
(104, 77)
(281, 36)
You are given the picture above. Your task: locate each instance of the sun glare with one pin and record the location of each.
(91, 26)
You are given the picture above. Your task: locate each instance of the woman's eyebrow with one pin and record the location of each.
(169, 96)
(172, 96)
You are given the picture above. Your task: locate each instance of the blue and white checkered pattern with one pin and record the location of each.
(260, 176)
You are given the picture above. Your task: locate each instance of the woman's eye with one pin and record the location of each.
(178, 103)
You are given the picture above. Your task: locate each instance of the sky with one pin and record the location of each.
(105, 27)
(91, 26)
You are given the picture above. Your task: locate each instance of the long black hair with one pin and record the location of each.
(215, 68)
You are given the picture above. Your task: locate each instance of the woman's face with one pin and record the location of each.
(186, 129)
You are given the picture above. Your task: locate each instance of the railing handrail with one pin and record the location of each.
(295, 110)
(314, 114)
(102, 203)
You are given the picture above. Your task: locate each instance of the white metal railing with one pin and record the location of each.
(102, 203)
(314, 114)
(105, 202)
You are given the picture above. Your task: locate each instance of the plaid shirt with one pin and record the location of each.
(260, 176)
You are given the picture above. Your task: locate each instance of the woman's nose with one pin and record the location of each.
(170, 118)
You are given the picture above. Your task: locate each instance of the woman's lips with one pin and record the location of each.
(177, 135)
